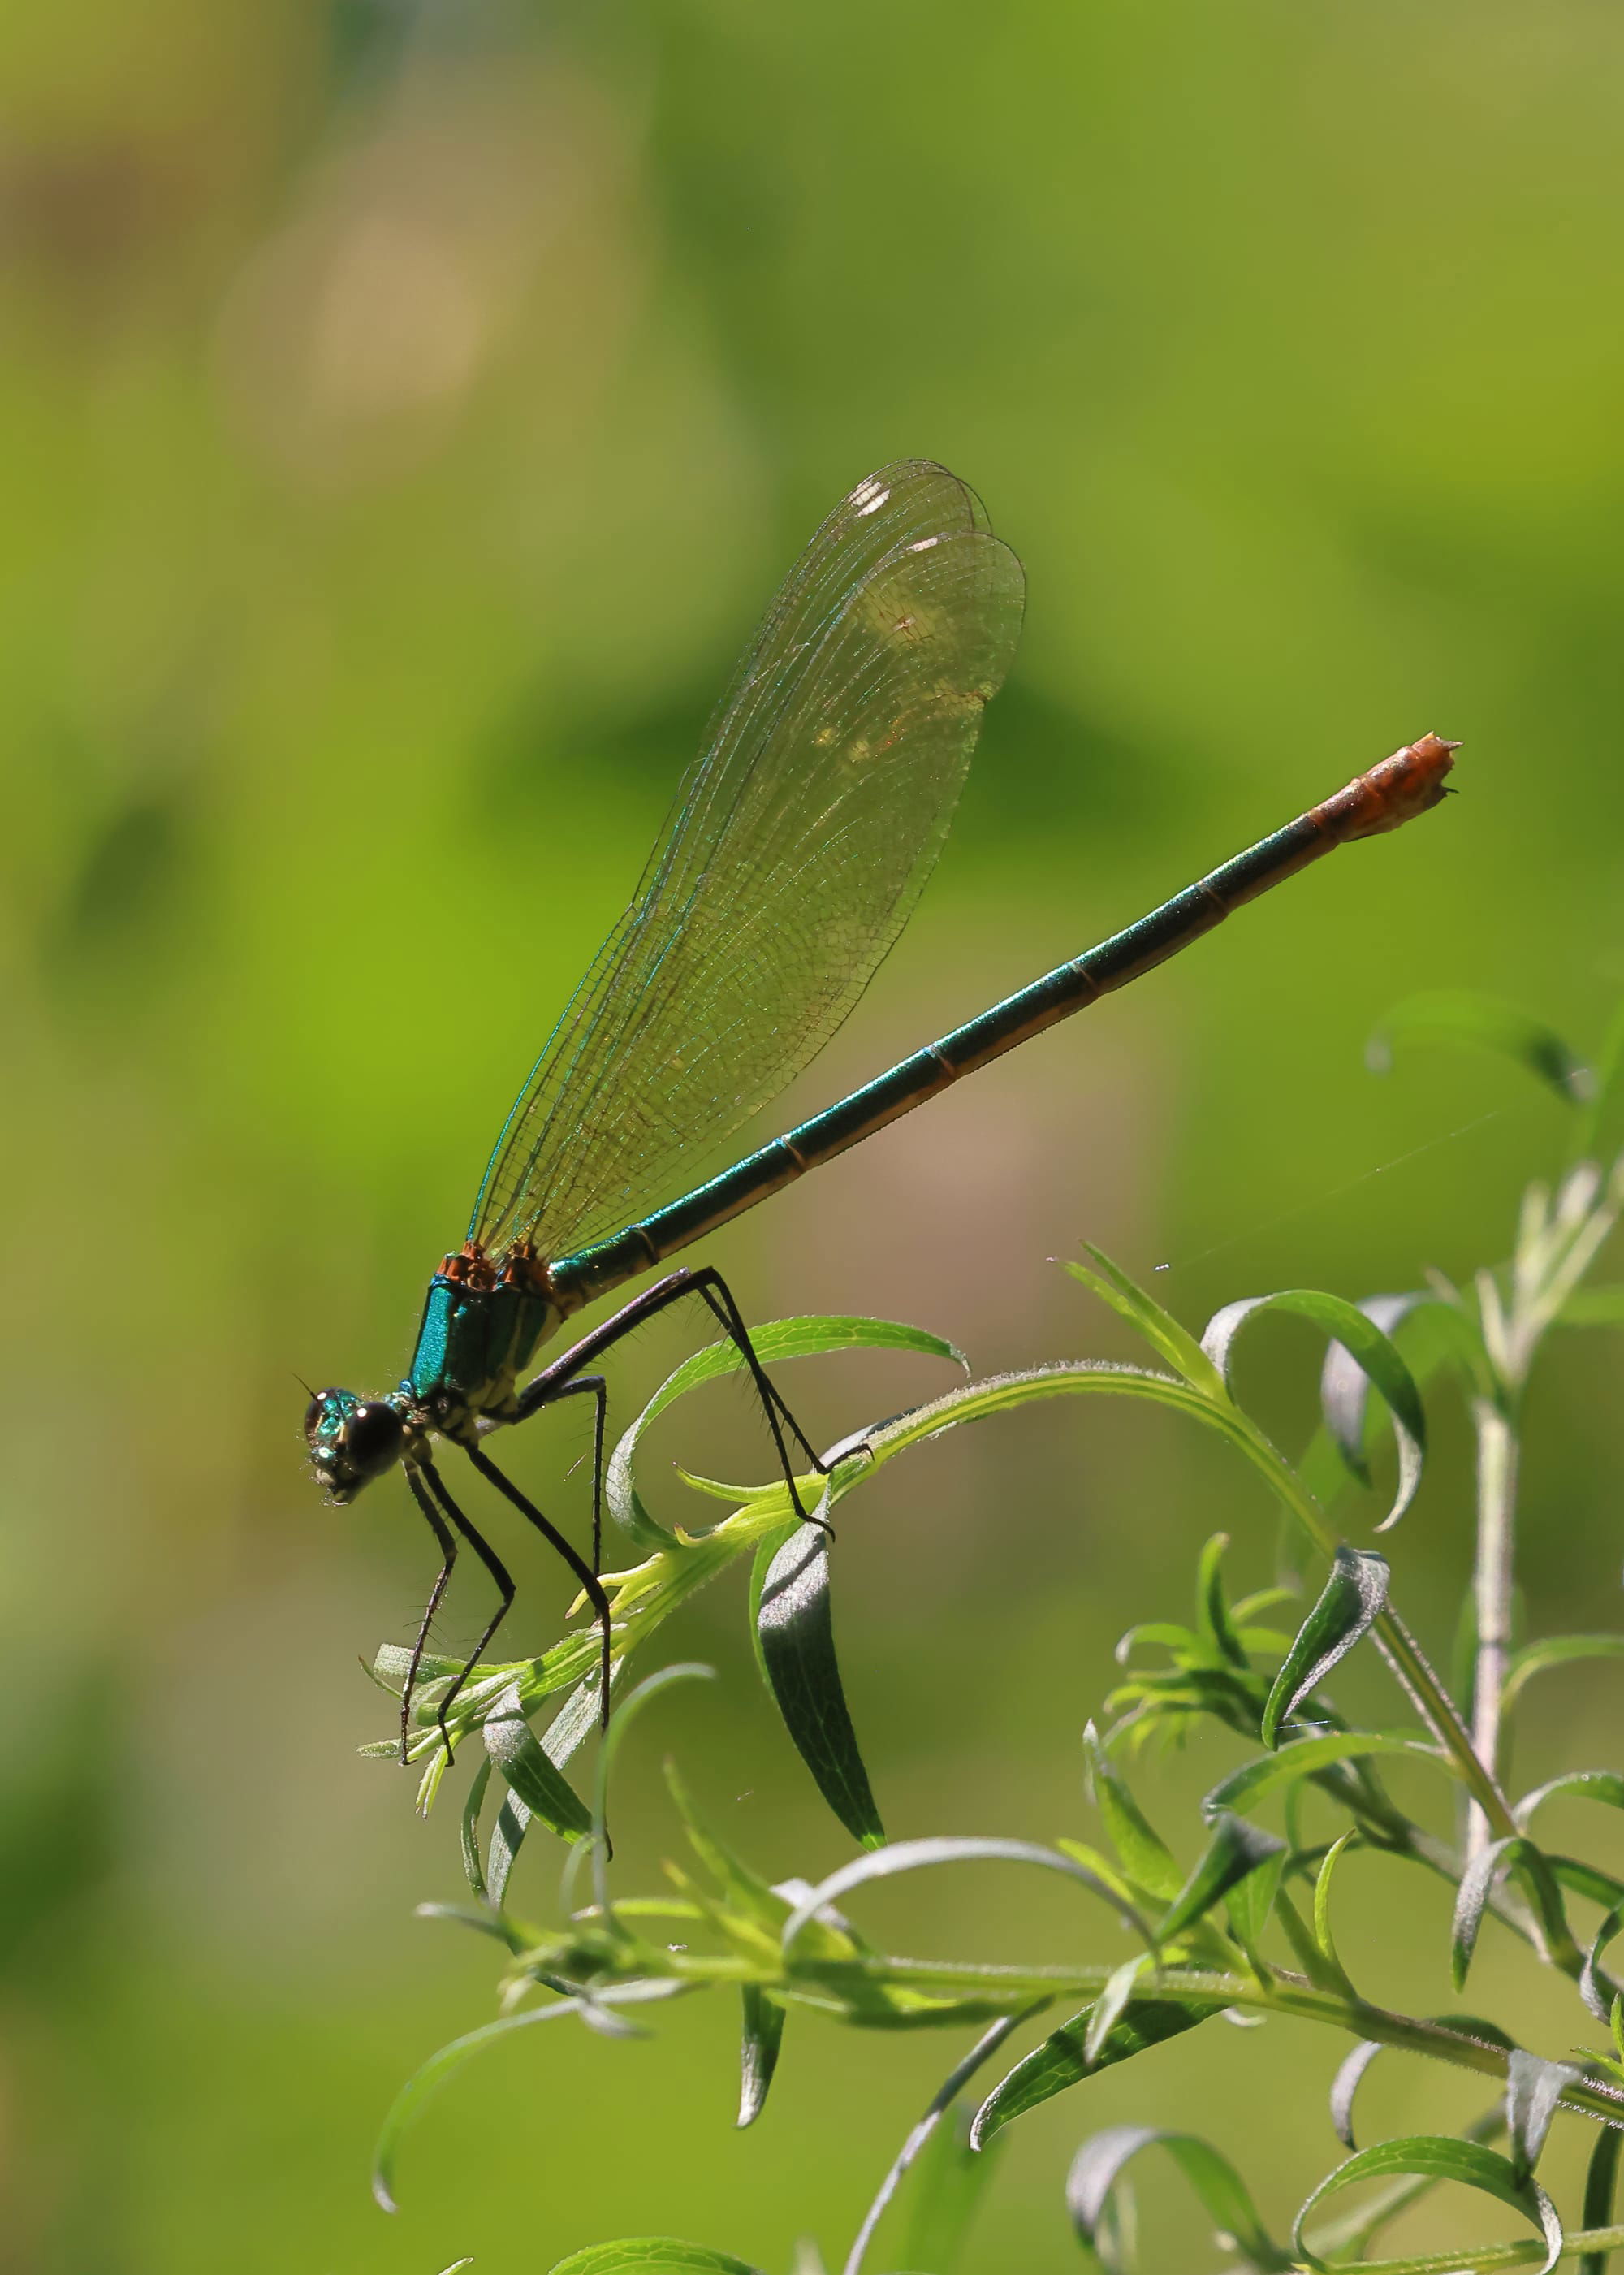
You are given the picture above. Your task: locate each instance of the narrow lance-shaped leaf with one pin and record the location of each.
(1514, 1852)
(1172, 1342)
(562, 1738)
(778, 1340)
(1111, 2004)
(1063, 2060)
(795, 1630)
(760, 2038)
(1099, 2163)
(957, 2078)
(1348, 1605)
(1250, 1904)
(1345, 2085)
(626, 1714)
(450, 2059)
(1142, 1854)
(1533, 2089)
(1605, 1786)
(1344, 1386)
(1213, 1609)
(1557, 1650)
(1483, 1023)
(469, 1831)
(546, 1794)
(1598, 1992)
(1304, 1758)
(917, 1856)
(950, 2185)
(652, 2255)
(1440, 2157)
(1234, 1849)
(1375, 1352)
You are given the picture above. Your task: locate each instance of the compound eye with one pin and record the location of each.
(315, 1414)
(374, 1435)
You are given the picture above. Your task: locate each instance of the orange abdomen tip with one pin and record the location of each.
(1411, 781)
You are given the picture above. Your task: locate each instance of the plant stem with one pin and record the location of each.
(1491, 1593)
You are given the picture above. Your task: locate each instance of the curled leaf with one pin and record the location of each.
(440, 2066)
(1098, 2165)
(1345, 2085)
(1533, 2089)
(1439, 2156)
(1348, 1605)
(1375, 1353)
(1483, 1023)
(779, 1339)
(652, 2255)
(1515, 1853)
(914, 1855)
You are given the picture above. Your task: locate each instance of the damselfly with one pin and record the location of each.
(796, 848)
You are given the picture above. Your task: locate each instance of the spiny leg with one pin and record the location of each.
(499, 1573)
(448, 1552)
(590, 1585)
(711, 1289)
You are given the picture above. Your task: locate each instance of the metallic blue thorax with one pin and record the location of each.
(478, 1334)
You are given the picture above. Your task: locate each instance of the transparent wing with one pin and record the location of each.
(796, 849)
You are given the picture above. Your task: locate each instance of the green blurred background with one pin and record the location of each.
(407, 411)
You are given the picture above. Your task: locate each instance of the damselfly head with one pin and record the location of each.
(351, 1440)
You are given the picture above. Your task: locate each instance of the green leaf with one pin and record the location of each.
(745, 1888)
(1111, 2004)
(1533, 2089)
(779, 1339)
(1251, 1905)
(1172, 1342)
(1345, 2084)
(1234, 1849)
(1375, 1353)
(1483, 1023)
(915, 1855)
(1224, 2194)
(1267, 1773)
(1605, 1786)
(474, 1802)
(563, 1735)
(1145, 1856)
(1557, 1650)
(653, 2255)
(1598, 1992)
(762, 2034)
(950, 2182)
(409, 2101)
(1062, 2059)
(1352, 1597)
(1439, 2156)
(919, 2135)
(795, 1630)
(546, 1794)
(1217, 1628)
(620, 1722)
(1514, 1852)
